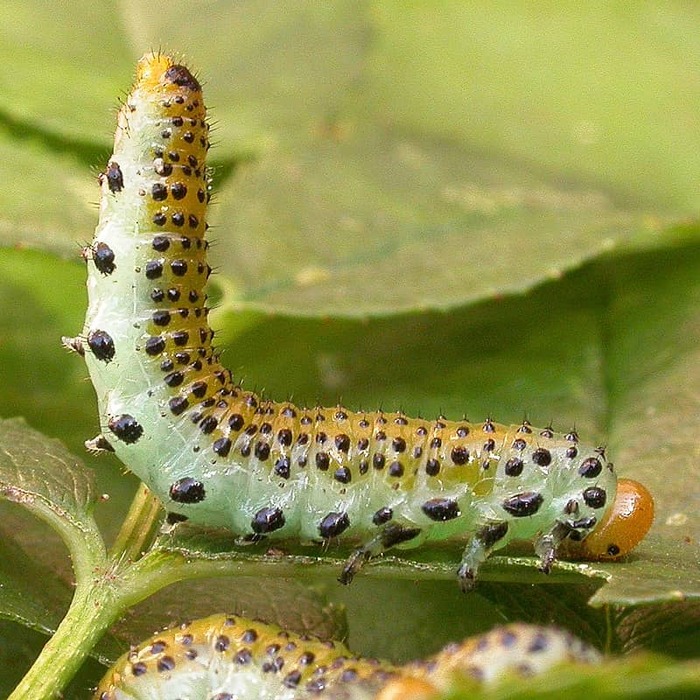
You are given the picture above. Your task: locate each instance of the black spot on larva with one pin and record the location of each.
(459, 455)
(180, 338)
(159, 218)
(284, 437)
(243, 657)
(139, 668)
(177, 405)
(236, 421)
(489, 427)
(542, 457)
(590, 467)
(179, 75)
(363, 467)
(115, 179)
(292, 679)
(262, 451)
(188, 136)
(333, 525)
(342, 442)
(595, 497)
(322, 461)
(490, 534)
(162, 168)
(398, 444)
(187, 490)
(179, 267)
(126, 428)
(514, 466)
(157, 295)
(199, 389)
(222, 643)
(154, 345)
(159, 191)
(103, 257)
(396, 469)
(267, 520)
(523, 504)
(283, 467)
(547, 433)
(432, 467)
(538, 644)
(462, 431)
(208, 425)
(165, 664)
(222, 446)
(382, 516)
(161, 317)
(441, 509)
(613, 550)
(174, 379)
(519, 444)
(178, 190)
(193, 221)
(101, 344)
(571, 452)
(378, 461)
(489, 445)
(343, 475)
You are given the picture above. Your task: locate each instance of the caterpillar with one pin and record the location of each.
(222, 456)
(223, 657)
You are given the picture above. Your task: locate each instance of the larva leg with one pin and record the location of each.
(390, 536)
(547, 543)
(477, 551)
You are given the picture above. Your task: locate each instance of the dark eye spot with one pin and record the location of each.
(187, 490)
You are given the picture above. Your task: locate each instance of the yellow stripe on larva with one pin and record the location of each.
(221, 456)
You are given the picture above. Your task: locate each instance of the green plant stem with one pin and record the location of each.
(139, 527)
(90, 614)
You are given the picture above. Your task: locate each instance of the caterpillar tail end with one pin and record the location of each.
(73, 344)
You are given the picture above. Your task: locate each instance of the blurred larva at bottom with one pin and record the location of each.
(225, 657)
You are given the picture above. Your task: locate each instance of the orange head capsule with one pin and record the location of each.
(625, 525)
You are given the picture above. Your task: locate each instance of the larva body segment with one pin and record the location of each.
(222, 456)
(225, 657)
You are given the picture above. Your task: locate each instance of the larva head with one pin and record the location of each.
(625, 525)
(158, 72)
